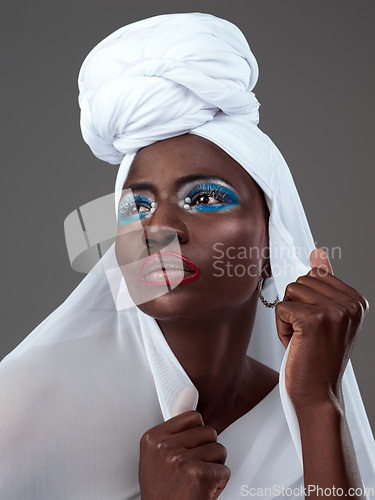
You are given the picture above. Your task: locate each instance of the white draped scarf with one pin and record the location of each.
(81, 389)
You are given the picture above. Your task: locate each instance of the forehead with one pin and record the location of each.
(166, 161)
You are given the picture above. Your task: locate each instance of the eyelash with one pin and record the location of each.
(128, 204)
(221, 193)
(225, 196)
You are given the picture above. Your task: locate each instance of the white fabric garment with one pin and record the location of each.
(78, 393)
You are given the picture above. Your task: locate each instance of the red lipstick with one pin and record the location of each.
(168, 268)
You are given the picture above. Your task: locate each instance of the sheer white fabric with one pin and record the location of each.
(81, 389)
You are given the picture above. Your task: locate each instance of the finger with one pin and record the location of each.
(222, 474)
(288, 315)
(313, 291)
(308, 290)
(319, 259)
(284, 328)
(340, 285)
(191, 438)
(216, 476)
(180, 423)
(211, 452)
(298, 291)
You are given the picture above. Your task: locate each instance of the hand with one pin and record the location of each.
(324, 316)
(181, 460)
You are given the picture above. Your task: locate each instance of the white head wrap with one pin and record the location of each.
(90, 366)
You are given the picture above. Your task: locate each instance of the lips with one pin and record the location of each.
(168, 268)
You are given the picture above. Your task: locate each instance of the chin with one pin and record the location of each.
(173, 304)
(179, 304)
(197, 298)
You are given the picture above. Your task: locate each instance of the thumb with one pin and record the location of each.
(318, 258)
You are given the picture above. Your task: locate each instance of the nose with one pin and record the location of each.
(164, 226)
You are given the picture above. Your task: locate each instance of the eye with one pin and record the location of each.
(212, 197)
(204, 199)
(132, 209)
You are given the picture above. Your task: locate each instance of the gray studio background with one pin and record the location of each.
(316, 88)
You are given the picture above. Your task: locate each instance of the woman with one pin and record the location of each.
(199, 188)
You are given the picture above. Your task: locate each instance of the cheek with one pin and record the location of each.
(130, 246)
(237, 257)
(130, 254)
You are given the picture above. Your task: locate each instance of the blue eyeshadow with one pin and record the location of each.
(226, 197)
(128, 210)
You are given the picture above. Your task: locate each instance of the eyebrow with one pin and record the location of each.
(181, 181)
(145, 186)
(200, 177)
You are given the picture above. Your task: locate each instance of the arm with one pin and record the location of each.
(323, 315)
(328, 453)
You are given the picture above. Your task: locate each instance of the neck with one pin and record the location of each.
(212, 350)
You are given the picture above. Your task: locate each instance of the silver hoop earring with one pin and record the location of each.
(261, 296)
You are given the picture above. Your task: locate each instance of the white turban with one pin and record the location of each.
(80, 391)
(163, 77)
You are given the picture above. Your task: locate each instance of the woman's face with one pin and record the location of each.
(222, 236)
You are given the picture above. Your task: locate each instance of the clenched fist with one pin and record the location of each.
(182, 460)
(323, 315)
